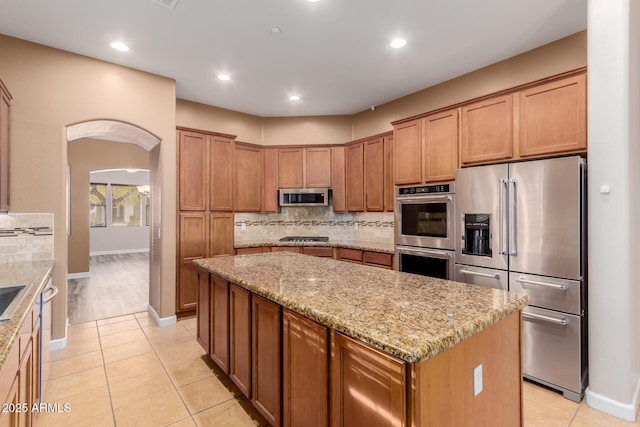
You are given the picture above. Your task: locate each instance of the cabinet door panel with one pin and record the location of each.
(193, 234)
(270, 188)
(487, 130)
(187, 291)
(389, 190)
(441, 146)
(553, 117)
(248, 181)
(374, 175)
(318, 167)
(290, 168)
(407, 138)
(365, 384)
(203, 332)
(240, 338)
(355, 177)
(192, 171)
(306, 372)
(221, 173)
(220, 234)
(338, 179)
(220, 323)
(266, 358)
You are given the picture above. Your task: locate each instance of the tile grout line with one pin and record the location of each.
(106, 378)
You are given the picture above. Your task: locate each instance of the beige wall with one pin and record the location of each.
(193, 115)
(85, 155)
(53, 89)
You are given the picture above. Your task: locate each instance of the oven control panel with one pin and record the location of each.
(426, 189)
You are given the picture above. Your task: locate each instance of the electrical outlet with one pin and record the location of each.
(477, 380)
(244, 226)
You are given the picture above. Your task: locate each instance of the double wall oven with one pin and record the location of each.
(425, 230)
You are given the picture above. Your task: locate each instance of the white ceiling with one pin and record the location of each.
(334, 54)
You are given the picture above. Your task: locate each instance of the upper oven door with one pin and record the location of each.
(426, 221)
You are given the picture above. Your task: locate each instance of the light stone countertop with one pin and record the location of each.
(408, 316)
(363, 245)
(35, 275)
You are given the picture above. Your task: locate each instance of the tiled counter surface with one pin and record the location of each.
(35, 275)
(409, 316)
(332, 243)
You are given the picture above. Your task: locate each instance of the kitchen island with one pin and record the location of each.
(315, 341)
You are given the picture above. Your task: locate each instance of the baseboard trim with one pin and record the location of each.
(164, 321)
(60, 343)
(627, 412)
(119, 251)
(81, 275)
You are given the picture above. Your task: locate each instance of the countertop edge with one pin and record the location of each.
(356, 245)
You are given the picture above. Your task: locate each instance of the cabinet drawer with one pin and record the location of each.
(546, 292)
(295, 249)
(378, 259)
(318, 251)
(350, 254)
(247, 251)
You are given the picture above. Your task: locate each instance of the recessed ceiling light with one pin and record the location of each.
(276, 30)
(398, 43)
(224, 77)
(313, 1)
(120, 46)
(294, 98)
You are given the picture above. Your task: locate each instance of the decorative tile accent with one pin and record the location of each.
(26, 237)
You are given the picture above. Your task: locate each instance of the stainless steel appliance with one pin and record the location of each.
(304, 197)
(522, 228)
(425, 230)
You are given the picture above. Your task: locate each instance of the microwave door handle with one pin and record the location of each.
(513, 250)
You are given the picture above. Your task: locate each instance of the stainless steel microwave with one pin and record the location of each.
(304, 197)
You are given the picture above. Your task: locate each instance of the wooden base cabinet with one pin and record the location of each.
(368, 387)
(305, 372)
(240, 338)
(220, 323)
(203, 318)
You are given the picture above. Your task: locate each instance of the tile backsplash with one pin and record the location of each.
(315, 221)
(25, 237)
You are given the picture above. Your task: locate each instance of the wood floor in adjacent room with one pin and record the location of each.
(119, 284)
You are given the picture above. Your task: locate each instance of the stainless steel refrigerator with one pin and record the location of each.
(522, 227)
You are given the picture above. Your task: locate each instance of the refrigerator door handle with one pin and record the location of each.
(501, 224)
(562, 287)
(511, 219)
(534, 316)
(477, 273)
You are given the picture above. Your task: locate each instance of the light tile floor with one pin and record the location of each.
(126, 371)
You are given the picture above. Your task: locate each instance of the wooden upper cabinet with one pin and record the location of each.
(192, 171)
(440, 146)
(317, 167)
(248, 182)
(407, 150)
(374, 174)
(338, 179)
(487, 130)
(5, 146)
(290, 168)
(221, 152)
(553, 117)
(355, 177)
(389, 189)
(270, 185)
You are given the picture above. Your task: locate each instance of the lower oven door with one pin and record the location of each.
(551, 347)
(426, 262)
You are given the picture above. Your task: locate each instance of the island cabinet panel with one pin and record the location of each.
(270, 187)
(374, 166)
(338, 179)
(355, 177)
(248, 178)
(221, 152)
(240, 338)
(440, 146)
(487, 130)
(305, 376)
(266, 349)
(290, 168)
(317, 167)
(407, 138)
(444, 383)
(219, 350)
(553, 117)
(193, 184)
(204, 313)
(363, 378)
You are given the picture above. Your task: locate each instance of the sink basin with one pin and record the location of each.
(10, 297)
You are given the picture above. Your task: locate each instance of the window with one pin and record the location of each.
(98, 205)
(125, 206)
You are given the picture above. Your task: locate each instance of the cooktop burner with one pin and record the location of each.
(304, 239)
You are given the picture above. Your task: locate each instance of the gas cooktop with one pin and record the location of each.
(304, 239)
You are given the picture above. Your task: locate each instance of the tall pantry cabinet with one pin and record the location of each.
(205, 207)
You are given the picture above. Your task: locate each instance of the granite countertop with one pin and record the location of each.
(406, 315)
(387, 248)
(34, 274)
